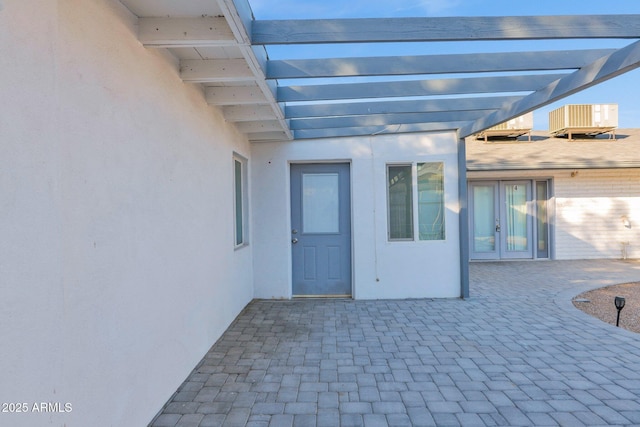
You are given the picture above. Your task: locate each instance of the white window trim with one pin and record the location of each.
(388, 202)
(415, 201)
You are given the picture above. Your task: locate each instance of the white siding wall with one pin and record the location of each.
(589, 211)
(117, 265)
(382, 269)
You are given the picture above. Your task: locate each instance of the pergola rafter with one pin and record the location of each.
(389, 107)
(619, 62)
(228, 54)
(377, 30)
(433, 64)
(415, 88)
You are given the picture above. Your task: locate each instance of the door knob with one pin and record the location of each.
(294, 241)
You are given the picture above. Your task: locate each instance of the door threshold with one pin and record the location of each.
(509, 259)
(322, 296)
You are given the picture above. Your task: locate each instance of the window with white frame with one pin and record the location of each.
(419, 188)
(240, 200)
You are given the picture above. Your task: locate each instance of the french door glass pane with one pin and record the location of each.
(400, 202)
(484, 237)
(431, 201)
(320, 203)
(516, 209)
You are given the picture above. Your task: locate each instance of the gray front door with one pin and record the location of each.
(321, 229)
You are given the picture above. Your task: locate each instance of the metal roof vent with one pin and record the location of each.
(584, 119)
(522, 125)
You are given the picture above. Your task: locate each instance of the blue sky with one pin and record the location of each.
(623, 90)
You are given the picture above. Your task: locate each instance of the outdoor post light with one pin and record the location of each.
(619, 302)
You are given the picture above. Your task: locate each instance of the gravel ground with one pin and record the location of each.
(600, 304)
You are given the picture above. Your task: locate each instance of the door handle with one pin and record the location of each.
(294, 240)
(497, 228)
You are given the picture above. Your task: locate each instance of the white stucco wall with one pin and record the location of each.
(381, 269)
(117, 264)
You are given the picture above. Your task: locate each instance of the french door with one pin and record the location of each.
(501, 223)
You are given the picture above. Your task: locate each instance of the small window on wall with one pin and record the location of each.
(400, 202)
(240, 200)
(423, 182)
(431, 201)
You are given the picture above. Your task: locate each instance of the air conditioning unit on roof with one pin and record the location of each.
(583, 119)
(522, 125)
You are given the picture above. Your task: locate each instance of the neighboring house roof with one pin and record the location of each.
(545, 152)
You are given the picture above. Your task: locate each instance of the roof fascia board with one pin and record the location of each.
(619, 62)
(433, 64)
(240, 18)
(309, 31)
(601, 164)
(522, 83)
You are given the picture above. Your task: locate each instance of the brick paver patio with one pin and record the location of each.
(517, 353)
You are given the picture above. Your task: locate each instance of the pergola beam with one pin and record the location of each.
(183, 32)
(267, 136)
(234, 95)
(250, 91)
(410, 88)
(433, 64)
(240, 19)
(247, 113)
(619, 62)
(259, 126)
(309, 31)
(215, 70)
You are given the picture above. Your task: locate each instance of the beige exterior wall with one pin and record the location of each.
(588, 210)
(117, 263)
